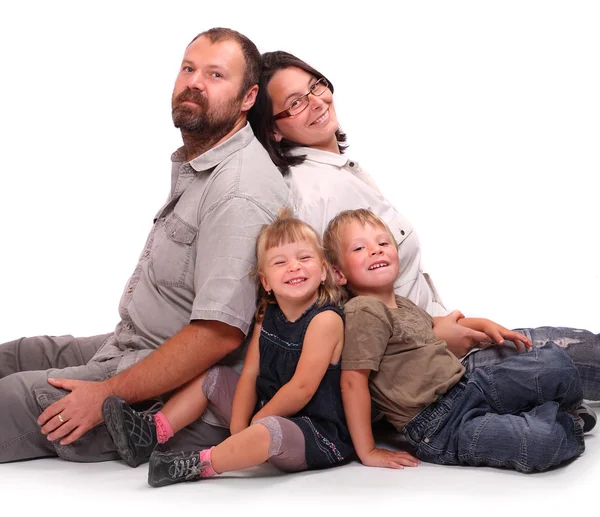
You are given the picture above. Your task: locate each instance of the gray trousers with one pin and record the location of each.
(26, 364)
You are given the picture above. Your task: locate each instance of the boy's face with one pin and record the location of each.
(368, 259)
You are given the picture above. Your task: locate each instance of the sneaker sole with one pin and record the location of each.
(113, 419)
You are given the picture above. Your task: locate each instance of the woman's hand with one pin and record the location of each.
(497, 333)
(460, 339)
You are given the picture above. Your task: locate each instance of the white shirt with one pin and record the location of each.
(327, 183)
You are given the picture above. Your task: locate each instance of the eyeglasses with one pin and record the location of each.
(301, 103)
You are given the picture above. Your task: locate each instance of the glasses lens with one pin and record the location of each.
(319, 87)
(298, 105)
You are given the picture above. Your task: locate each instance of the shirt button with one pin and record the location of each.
(402, 232)
(352, 164)
(130, 290)
(128, 326)
(173, 233)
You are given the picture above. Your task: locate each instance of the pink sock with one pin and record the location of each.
(207, 472)
(163, 428)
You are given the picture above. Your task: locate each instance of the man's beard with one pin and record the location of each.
(201, 122)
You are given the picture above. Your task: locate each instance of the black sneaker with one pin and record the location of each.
(133, 432)
(171, 467)
(587, 416)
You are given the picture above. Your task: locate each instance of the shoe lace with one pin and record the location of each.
(148, 414)
(188, 468)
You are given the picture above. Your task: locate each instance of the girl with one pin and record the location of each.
(294, 118)
(286, 405)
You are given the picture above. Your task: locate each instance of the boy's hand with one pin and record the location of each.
(389, 459)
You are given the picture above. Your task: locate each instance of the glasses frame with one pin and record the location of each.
(286, 113)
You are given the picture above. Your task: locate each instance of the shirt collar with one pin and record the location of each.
(320, 156)
(216, 155)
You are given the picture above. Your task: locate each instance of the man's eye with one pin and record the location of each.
(187, 69)
(217, 75)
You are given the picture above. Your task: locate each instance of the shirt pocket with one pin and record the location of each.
(172, 254)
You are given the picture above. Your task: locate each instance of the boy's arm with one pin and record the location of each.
(323, 335)
(244, 399)
(357, 407)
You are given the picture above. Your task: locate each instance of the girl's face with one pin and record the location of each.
(317, 124)
(293, 271)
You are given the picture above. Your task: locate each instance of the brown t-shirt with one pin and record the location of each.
(410, 366)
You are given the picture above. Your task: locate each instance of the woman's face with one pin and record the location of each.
(317, 124)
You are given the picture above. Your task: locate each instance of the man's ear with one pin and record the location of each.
(250, 98)
(338, 276)
(264, 282)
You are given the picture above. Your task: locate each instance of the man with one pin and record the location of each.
(189, 302)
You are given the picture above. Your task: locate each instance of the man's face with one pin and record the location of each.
(368, 259)
(206, 96)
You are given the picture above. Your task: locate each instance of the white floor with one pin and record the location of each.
(113, 488)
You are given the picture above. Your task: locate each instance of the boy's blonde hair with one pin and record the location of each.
(284, 230)
(332, 235)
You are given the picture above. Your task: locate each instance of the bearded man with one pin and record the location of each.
(189, 302)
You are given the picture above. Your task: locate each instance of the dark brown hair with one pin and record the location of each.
(249, 50)
(260, 115)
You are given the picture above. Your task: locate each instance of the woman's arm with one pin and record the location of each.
(357, 408)
(244, 399)
(324, 336)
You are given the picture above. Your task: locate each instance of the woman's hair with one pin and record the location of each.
(284, 230)
(260, 115)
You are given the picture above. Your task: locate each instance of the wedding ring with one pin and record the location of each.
(61, 419)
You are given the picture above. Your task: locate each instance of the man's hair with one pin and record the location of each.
(260, 115)
(284, 230)
(332, 235)
(249, 50)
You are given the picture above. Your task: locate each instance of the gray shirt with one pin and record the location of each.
(197, 258)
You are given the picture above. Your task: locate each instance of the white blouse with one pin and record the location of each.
(327, 183)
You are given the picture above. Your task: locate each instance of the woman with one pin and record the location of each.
(294, 118)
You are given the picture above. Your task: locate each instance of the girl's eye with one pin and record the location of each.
(279, 263)
(305, 257)
(358, 248)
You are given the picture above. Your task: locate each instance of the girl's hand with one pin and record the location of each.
(389, 459)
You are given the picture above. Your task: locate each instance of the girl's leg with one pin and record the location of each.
(582, 347)
(136, 434)
(272, 439)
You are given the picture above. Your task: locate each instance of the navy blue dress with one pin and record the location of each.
(322, 421)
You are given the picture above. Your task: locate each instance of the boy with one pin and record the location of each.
(524, 413)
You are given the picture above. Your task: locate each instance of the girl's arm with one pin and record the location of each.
(244, 399)
(357, 407)
(324, 337)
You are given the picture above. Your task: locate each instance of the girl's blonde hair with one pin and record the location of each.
(284, 230)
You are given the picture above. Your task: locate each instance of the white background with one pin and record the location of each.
(480, 120)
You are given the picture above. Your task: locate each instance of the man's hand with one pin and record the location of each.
(72, 416)
(460, 339)
(389, 459)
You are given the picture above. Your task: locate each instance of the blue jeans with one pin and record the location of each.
(582, 346)
(513, 414)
